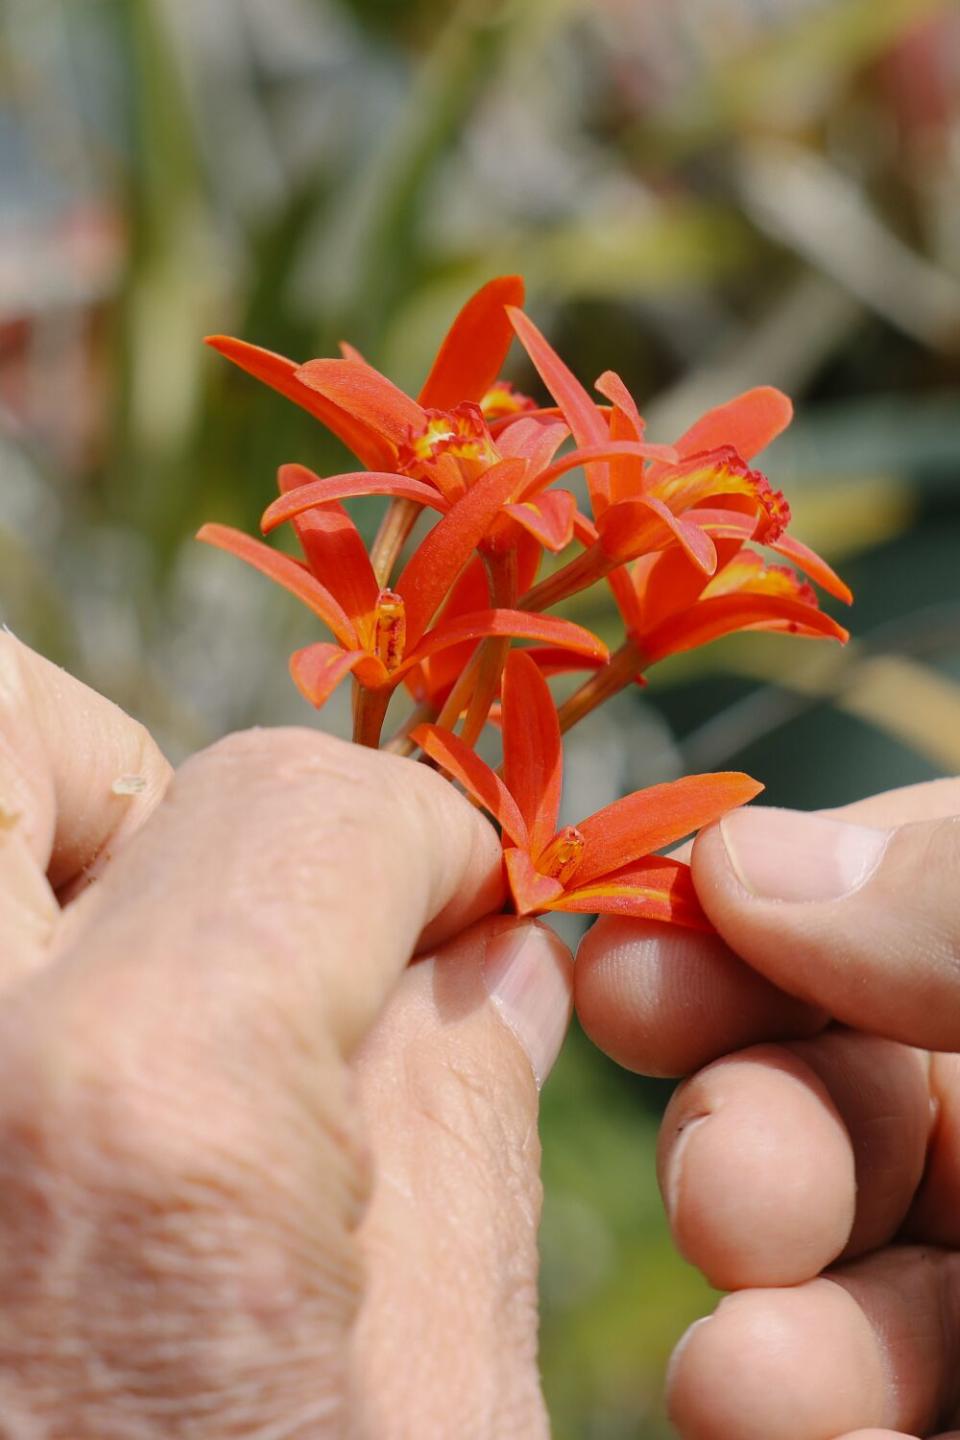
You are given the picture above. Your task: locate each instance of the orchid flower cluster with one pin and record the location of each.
(672, 530)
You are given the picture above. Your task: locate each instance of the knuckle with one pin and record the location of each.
(197, 1228)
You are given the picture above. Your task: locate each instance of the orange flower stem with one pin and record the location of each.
(369, 711)
(395, 527)
(582, 572)
(620, 671)
(456, 701)
(501, 569)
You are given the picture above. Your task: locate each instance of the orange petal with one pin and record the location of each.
(286, 572)
(281, 375)
(474, 775)
(364, 393)
(434, 566)
(532, 750)
(334, 549)
(635, 527)
(318, 669)
(613, 389)
(549, 518)
(749, 423)
(661, 815)
(532, 892)
(472, 353)
(518, 624)
(656, 888)
(585, 419)
(813, 565)
(535, 441)
(318, 490)
(710, 619)
(611, 449)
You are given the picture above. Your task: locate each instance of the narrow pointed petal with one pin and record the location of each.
(320, 490)
(532, 749)
(656, 888)
(286, 572)
(334, 550)
(635, 527)
(532, 892)
(813, 565)
(586, 420)
(517, 624)
(475, 776)
(471, 356)
(318, 669)
(554, 660)
(435, 565)
(281, 375)
(749, 423)
(711, 619)
(549, 518)
(661, 815)
(613, 389)
(350, 352)
(361, 391)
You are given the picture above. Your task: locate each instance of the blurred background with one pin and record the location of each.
(702, 194)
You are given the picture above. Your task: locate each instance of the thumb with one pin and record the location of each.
(861, 920)
(178, 1076)
(448, 1085)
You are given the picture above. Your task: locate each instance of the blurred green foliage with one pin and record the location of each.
(702, 195)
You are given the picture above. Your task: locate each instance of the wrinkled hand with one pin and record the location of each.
(832, 1151)
(210, 1041)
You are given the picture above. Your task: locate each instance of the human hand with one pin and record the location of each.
(207, 1055)
(817, 1177)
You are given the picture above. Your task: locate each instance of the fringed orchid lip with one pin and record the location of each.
(606, 863)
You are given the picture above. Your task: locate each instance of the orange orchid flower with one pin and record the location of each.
(644, 504)
(606, 863)
(466, 367)
(381, 634)
(668, 605)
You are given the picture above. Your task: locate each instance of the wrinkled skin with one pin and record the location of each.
(263, 1178)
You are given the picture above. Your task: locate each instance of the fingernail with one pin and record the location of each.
(673, 1179)
(791, 855)
(528, 974)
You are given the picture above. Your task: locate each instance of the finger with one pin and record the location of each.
(450, 1239)
(665, 1001)
(177, 1081)
(776, 1161)
(895, 1435)
(77, 777)
(871, 1347)
(862, 920)
(935, 1216)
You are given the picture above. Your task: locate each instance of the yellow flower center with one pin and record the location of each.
(561, 859)
(390, 631)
